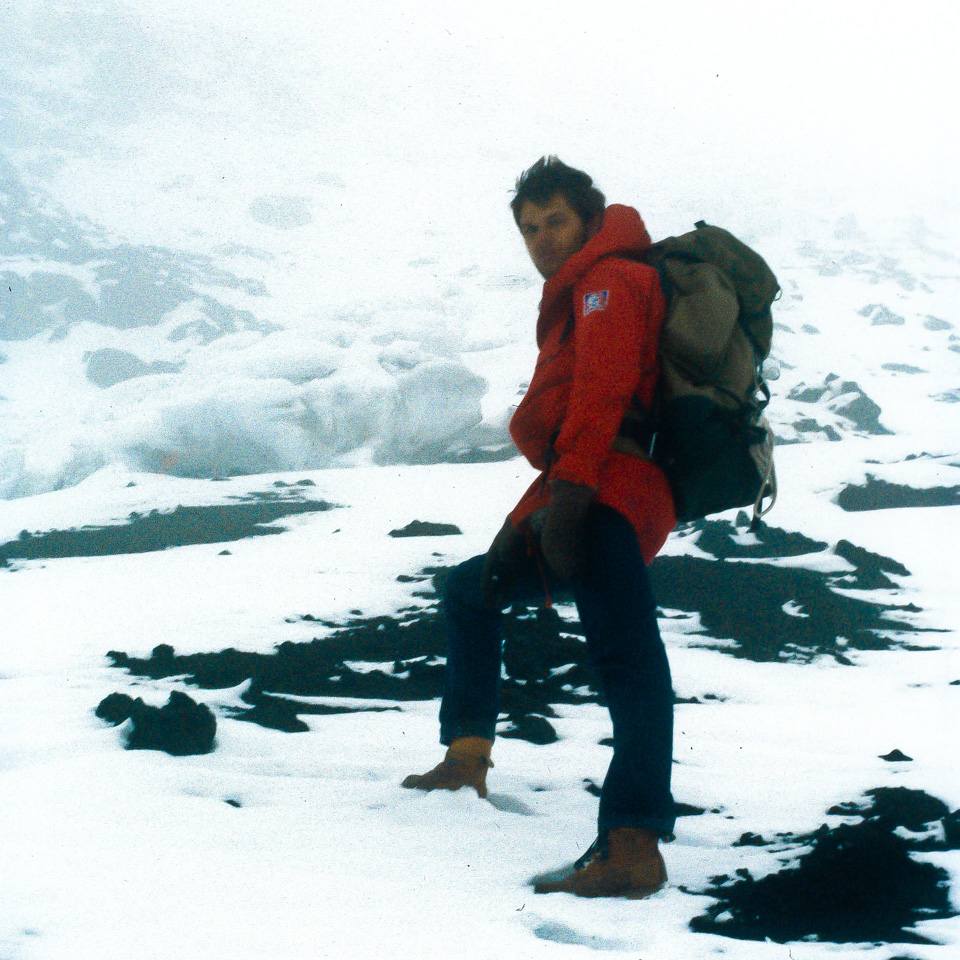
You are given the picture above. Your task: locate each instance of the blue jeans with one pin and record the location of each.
(618, 615)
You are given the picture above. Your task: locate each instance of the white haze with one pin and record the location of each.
(323, 191)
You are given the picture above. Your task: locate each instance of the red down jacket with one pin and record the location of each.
(598, 328)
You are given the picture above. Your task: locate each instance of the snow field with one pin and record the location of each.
(325, 854)
(257, 238)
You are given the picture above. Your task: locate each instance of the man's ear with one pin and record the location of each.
(593, 225)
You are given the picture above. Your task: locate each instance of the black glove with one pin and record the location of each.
(561, 541)
(508, 550)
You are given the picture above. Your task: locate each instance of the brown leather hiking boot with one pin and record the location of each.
(627, 863)
(465, 765)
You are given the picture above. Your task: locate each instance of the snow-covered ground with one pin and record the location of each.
(270, 243)
(303, 844)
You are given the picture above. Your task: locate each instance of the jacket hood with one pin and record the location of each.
(623, 231)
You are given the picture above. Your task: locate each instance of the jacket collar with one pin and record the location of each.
(622, 232)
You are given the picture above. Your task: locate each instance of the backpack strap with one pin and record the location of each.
(637, 434)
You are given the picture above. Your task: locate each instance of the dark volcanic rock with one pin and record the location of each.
(846, 399)
(282, 713)
(881, 316)
(544, 660)
(854, 405)
(894, 807)
(114, 708)
(809, 425)
(750, 840)
(896, 756)
(182, 526)
(529, 727)
(779, 611)
(902, 368)
(181, 727)
(274, 713)
(725, 541)
(108, 367)
(426, 528)
(880, 495)
(592, 788)
(857, 884)
(746, 603)
(871, 569)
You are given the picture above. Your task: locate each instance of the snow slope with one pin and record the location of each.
(303, 844)
(246, 246)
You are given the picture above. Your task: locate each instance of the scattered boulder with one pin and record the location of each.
(749, 839)
(881, 316)
(115, 708)
(896, 756)
(108, 367)
(809, 425)
(181, 727)
(592, 788)
(845, 399)
(530, 727)
(426, 528)
(902, 368)
(876, 494)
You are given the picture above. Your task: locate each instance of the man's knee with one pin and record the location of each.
(463, 586)
(631, 643)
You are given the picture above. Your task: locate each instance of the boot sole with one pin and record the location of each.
(626, 895)
(423, 789)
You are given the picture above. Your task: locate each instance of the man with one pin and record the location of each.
(586, 528)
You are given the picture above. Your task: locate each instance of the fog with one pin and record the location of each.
(245, 236)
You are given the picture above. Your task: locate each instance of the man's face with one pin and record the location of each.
(553, 232)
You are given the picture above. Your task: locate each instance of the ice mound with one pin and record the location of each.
(244, 404)
(160, 360)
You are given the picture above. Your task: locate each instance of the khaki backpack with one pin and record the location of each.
(707, 430)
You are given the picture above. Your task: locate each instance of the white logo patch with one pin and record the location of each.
(595, 301)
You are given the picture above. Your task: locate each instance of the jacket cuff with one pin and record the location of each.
(581, 470)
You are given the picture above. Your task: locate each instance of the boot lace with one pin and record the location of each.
(598, 850)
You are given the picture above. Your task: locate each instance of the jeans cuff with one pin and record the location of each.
(467, 728)
(662, 826)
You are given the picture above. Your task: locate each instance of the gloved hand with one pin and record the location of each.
(561, 541)
(507, 551)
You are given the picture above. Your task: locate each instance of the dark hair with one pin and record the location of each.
(550, 176)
